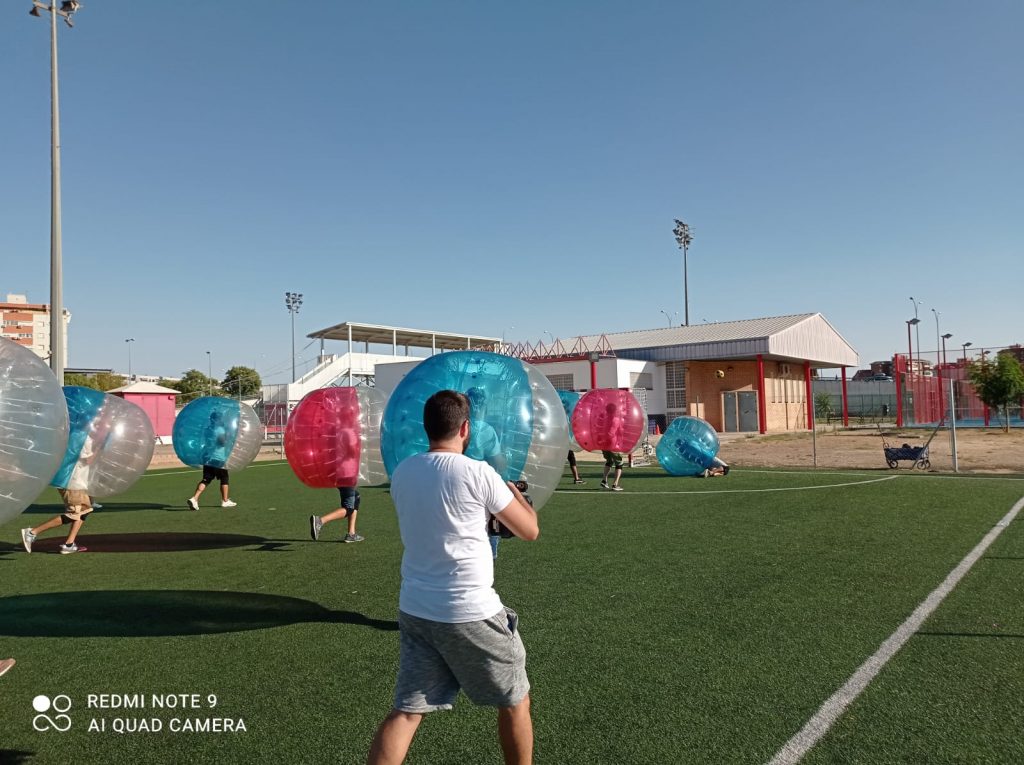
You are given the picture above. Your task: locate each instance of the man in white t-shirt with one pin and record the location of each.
(455, 632)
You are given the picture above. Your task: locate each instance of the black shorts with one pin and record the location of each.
(210, 473)
(349, 497)
(612, 459)
(572, 458)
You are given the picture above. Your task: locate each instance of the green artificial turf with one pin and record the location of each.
(680, 621)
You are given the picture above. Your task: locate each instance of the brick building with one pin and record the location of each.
(28, 324)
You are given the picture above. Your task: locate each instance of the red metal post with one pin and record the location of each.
(593, 375)
(808, 395)
(910, 350)
(899, 391)
(762, 406)
(846, 412)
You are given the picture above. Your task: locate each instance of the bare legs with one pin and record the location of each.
(515, 731)
(395, 734)
(607, 470)
(341, 512)
(393, 738)
(54, 523)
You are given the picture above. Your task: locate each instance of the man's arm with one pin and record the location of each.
(518, 517)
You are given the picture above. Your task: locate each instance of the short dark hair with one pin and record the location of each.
(444, 413)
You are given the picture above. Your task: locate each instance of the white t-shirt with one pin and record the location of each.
(81, 475)
(442, 500)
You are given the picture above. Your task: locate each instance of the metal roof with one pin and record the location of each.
(380, 334)
(143, 387)
(799, 337)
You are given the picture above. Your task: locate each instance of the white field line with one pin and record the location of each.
(591, 493)
(836, 705)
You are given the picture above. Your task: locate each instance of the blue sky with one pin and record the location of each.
(514, 169)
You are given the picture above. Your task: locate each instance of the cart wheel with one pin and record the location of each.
(892, 463)
(923, 464)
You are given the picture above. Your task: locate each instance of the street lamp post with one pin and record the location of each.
(684, 238)
(936, 336)
(945, 337)
(965, 346)
(129, 342)
(209, 361)
(917, 329)
(67, 8)
(669, 318)
(292, 301)
(910, 348)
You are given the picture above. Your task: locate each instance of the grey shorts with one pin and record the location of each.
(486, 659)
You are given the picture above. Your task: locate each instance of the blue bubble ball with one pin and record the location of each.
(688, 446)
(569, 400)
(517, 423)
(219, 432)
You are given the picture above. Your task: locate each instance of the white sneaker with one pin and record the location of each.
(97, 506)
(228, 503)
(27, 538)
(192, 504)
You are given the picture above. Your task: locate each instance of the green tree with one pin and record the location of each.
(102, 381)
(106, 381)
(822, 406)
(82, 381)
(998, 384)
(194, 384)
(241, 382)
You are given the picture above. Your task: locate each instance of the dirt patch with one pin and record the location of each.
(978, 450)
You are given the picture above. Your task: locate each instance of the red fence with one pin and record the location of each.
(924, 393)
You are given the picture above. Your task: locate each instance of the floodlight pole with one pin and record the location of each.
(917, 327)
(56, 263)
(209, 360)
(129, 341)
(292, 301)
(684, 237)
(965, 346)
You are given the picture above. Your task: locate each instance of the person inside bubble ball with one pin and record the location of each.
(215, 440)
(77, 504)
(616, 425)
(718, 467)
(348, 451)
(484, 444)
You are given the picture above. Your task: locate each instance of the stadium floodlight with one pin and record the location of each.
(292, 301)
(129, 342)
(684, 238)
(945, 337)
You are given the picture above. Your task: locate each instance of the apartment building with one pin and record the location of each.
(28, 324)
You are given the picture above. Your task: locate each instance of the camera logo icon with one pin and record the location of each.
(60, 722)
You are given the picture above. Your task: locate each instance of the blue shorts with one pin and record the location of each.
(349, 497)
(486, 659)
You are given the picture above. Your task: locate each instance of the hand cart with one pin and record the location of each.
(918, 455)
